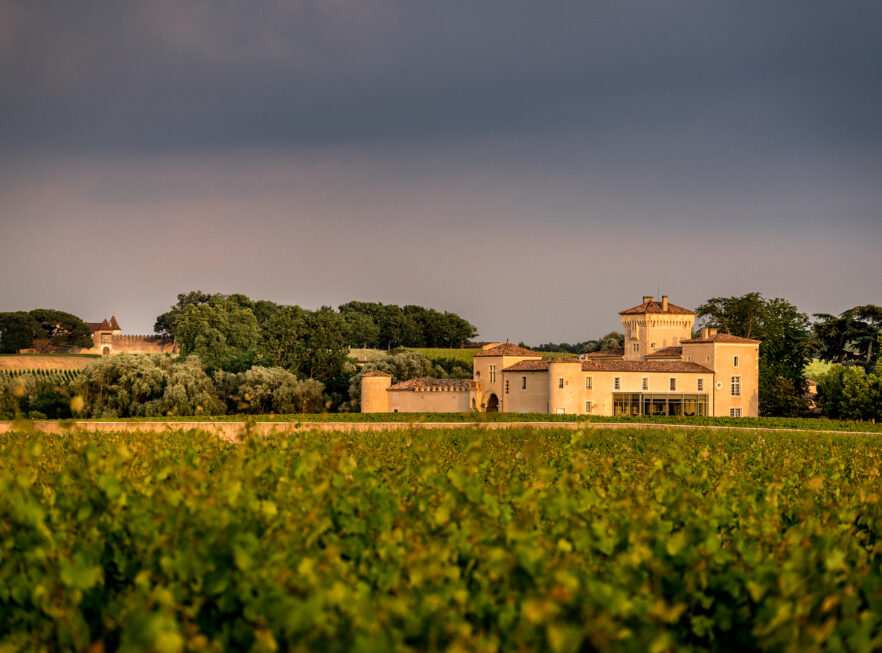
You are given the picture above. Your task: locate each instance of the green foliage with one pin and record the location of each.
(38, 394)
(612, 340)
(428, 541)
(17, 331)
(852, 336)
(389, 326)
(850, 393)
(64, 330)
(141, 386)
(221, 332)
(265, 390)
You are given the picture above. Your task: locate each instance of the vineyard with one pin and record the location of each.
(55, 376)
(520, 539)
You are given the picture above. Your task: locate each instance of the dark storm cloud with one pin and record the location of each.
(534, 166)
(171, 76)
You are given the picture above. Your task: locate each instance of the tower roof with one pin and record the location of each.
(114, 324)
(649, 305)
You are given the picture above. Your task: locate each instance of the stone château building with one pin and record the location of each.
(661, 370)
(108, 341)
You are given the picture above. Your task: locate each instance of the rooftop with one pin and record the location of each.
(665, 366)
(667, 352)
(721, 337)
(507, 349)
(607, 353)
(649, 305)
(430, 385)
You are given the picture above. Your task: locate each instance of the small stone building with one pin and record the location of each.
(661, 370)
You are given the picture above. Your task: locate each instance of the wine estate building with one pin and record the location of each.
(108, 340)
(661, 370)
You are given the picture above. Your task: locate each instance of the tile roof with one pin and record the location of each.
(376, 373)
(607, 353)
(656, 307)
(114, 324)
(643, 366)
(95, 326)
(430, 385)
(528, 366)
(721, 337)
(507, 349)
(667, 352)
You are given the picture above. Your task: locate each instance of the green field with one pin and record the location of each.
(520, 539)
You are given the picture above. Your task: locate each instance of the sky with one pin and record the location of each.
(534, 167)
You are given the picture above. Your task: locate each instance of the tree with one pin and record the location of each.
(17, 331)
(64, 330)
(166, 324)
(785, 349)
(850, 337)
(360, 330)
(222, 333)
(263, 390)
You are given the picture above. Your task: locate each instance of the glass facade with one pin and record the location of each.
(636, 404)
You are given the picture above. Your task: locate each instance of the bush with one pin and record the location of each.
(146, 386)
(263, 390)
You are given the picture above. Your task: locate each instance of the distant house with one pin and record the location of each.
(661, 370)
(108, 340)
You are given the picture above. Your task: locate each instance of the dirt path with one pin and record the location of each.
(231, 431)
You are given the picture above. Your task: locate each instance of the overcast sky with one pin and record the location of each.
(534, 167)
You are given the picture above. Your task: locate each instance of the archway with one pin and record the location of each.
(492, 403)
(106, 351)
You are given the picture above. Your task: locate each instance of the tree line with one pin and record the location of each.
(57, 329)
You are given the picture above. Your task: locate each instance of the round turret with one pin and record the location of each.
(374, 398)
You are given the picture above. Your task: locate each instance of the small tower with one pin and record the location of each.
(653, 325)
(374, 398)
(564, 386)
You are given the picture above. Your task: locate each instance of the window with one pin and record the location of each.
(587, 407)
(395, 410)
(689, 359)
(477, 376)
(700, 385)
(523, 383)
(734, 412)
(736, 386)
(636, 346)
(673, 384)
(617, 383)
(735, 362)
(492, 374)
(645, 383)
(506, 386)
(588, 383)
(652, 346)
(560, 382)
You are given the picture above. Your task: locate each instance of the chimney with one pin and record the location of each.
(704, 332)
(665, 303)
(647, 299)
(711, 332)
